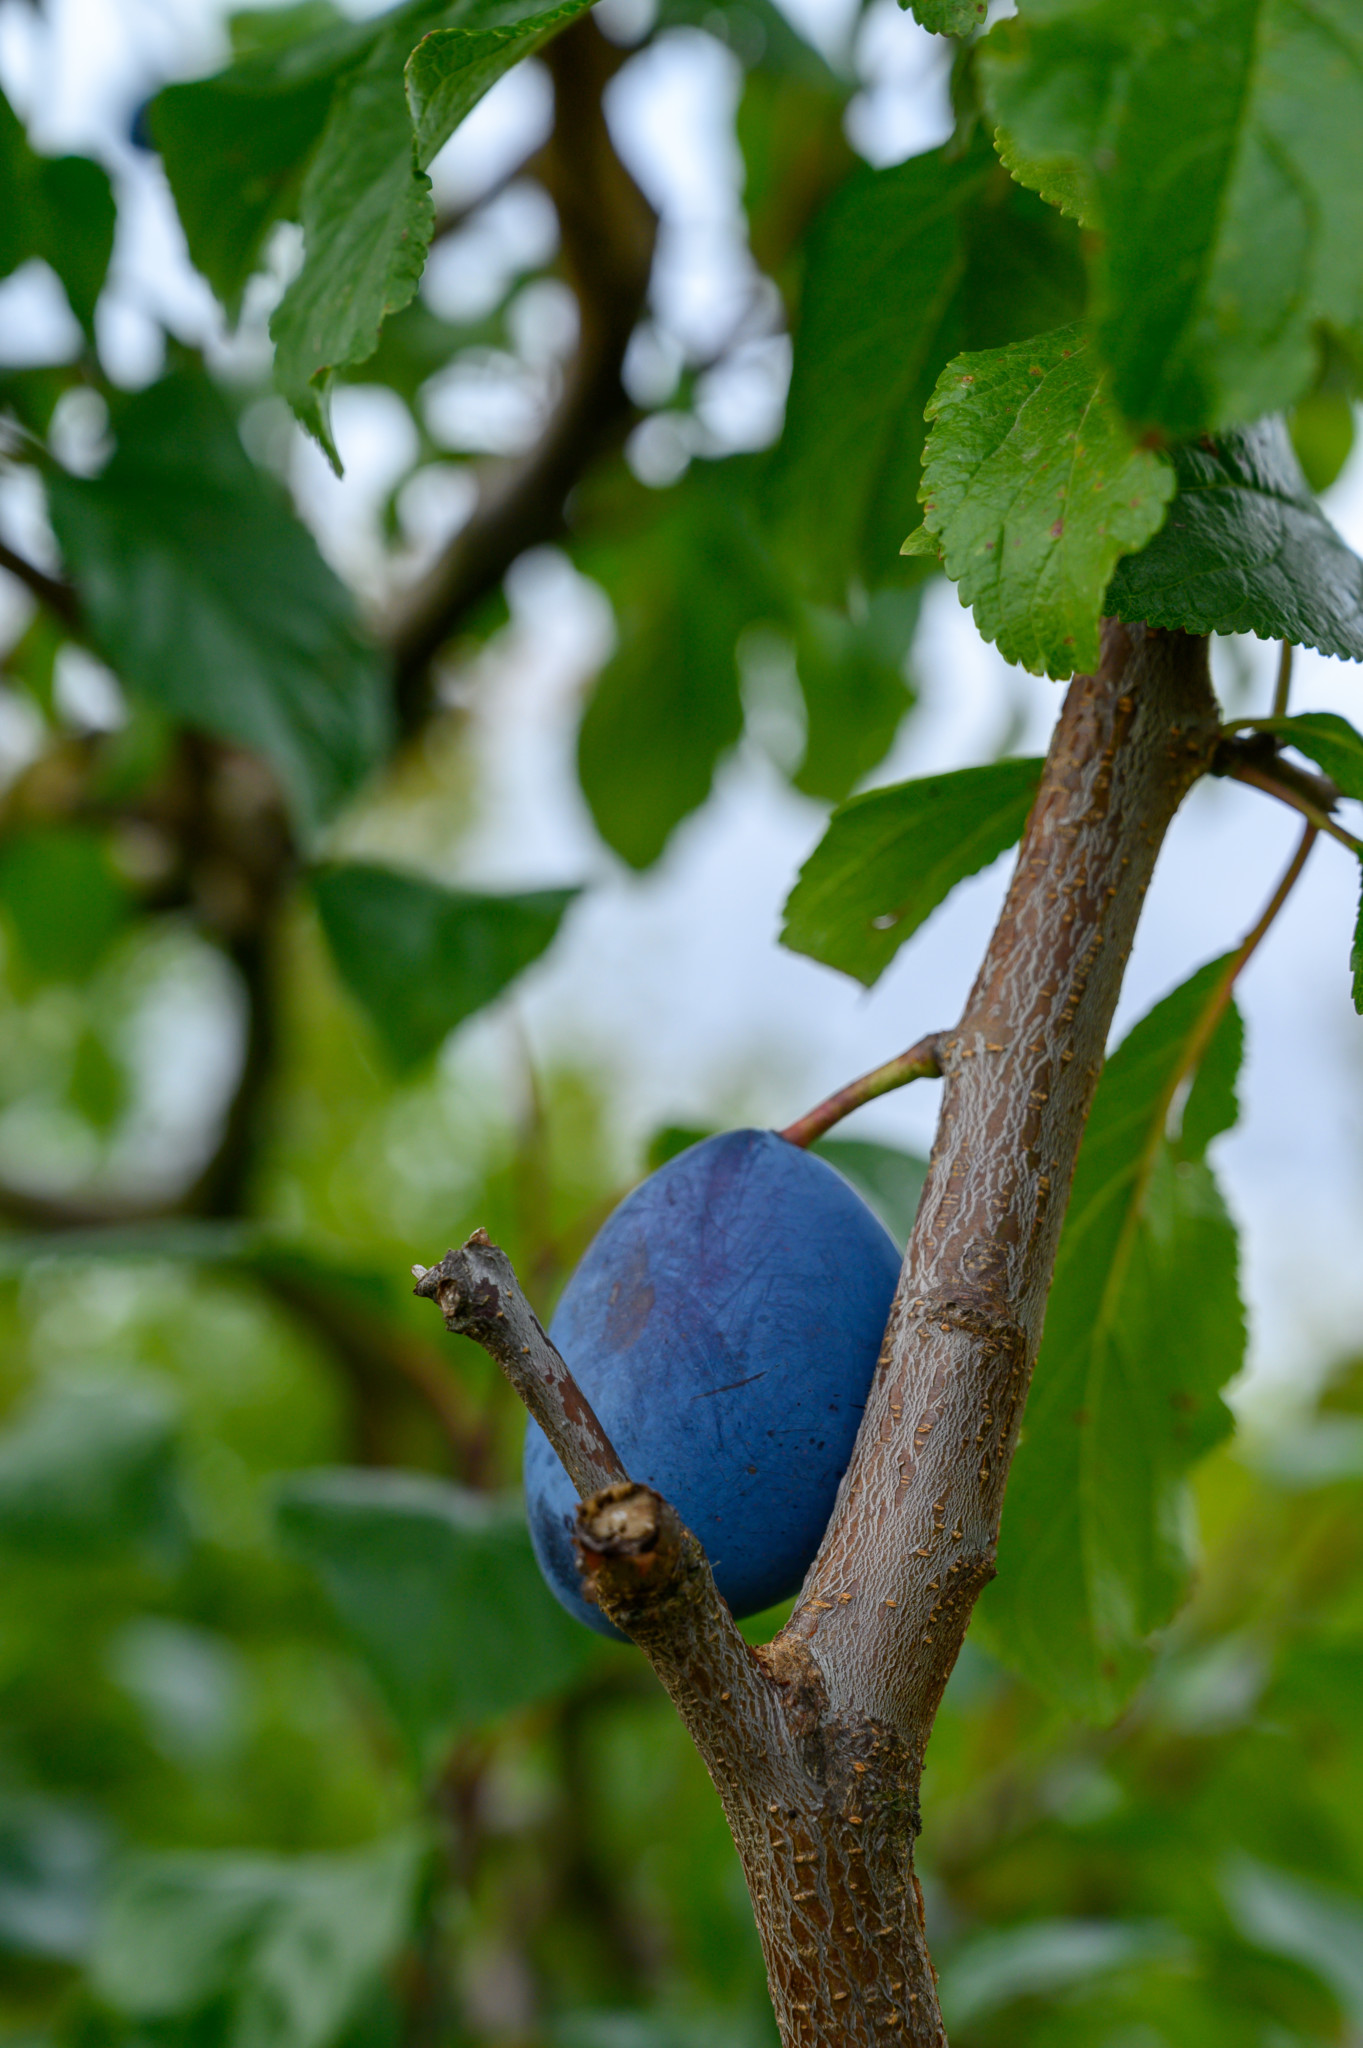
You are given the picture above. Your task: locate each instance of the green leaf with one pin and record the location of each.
(366, 200)
(949, 17)
(367, 220)
(1221, 142)
(1246, 549)
(1034, 487)
(856, 692)
(1356, 956)
(667, 704)
(1322, 430)
(439, 1591)
(904, 268)
(236, 146)
(1330, 741)
(63, 903)
(419, 957)
(890, 1180)
(210, 600)
(450, 69)
(992, 1970)
(889, 858)
(1143, 1328)
(58, 208)
(290, 1946)
(52, 1872)
(87, 1470)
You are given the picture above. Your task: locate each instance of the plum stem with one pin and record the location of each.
(922, 1062)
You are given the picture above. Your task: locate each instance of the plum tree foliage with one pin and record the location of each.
(1092, 359)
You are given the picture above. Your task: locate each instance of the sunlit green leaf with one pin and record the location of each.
(889, 857)
(209, 599)
(291, 1945)
(439, 1591)
(1222, 143)
(1246, 549)
(1033, 487)
(1143, 1328)
(421, 958)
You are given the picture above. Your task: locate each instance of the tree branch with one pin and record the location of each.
(608, 231)
(59, 597)
(1308, 795)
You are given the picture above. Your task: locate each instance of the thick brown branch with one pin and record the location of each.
(608, 232)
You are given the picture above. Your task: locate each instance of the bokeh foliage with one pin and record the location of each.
(295, 1749)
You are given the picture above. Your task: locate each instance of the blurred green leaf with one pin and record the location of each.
(420, 957)
(890, 856)
(210, 599)
(1356, 960)
(1213, 264)
(1246, 549)
(62, 900)
(890, 1180)
(439, 1591)
(59, 208)
(856, 692)
(291, 1945)
(667, 704)
(1321, 1929)
(87, 1470)
(1330, 741)
(904, 269)
(1322, 430)
(264, 31)
(1143, 1328)
(1033, 486)
(52, 1867)
(1045, 1956)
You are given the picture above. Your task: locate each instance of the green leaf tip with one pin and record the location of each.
(948, 17)
(890, 856)
(1034, 487)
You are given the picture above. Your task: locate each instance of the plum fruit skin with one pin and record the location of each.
(725, 1324)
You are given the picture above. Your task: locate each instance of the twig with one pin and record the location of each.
(59, 597)
(920, 1063)
(1276, 784)
(477, 1292)
(1283, 687)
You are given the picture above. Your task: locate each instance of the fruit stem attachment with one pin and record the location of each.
(922, 1062)
(477, 1292)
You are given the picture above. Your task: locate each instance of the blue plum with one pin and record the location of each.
(725, 1324)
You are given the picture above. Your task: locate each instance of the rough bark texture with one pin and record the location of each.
(815, 1742)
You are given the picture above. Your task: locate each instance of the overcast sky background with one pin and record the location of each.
(673, 982)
